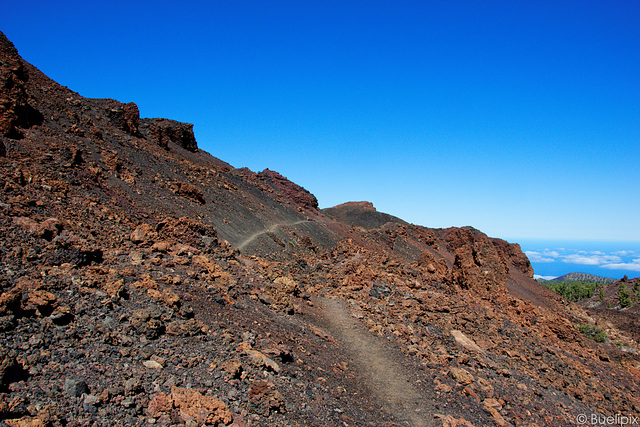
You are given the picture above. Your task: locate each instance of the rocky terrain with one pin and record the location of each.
(145, 282)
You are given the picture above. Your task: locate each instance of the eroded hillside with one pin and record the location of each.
(145, 282)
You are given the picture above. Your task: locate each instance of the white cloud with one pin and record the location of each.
(633, 265)
(538, 257)
(624, 253)
(591, 259)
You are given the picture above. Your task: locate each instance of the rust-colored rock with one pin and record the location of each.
(161, 404)
(193, 406)
(265, 399)
(294, 192)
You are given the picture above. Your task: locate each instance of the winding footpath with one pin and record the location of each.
(383, 375)
(270, 229)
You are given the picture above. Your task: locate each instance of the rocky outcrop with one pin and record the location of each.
(363, 206)
(478, 266)
(125, 117)
(164, 131)
(292, 191)
(513, 253)
(15, 111)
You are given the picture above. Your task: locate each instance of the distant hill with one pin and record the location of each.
(360, 214)
(580, 277)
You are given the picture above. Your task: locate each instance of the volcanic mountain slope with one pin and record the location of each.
(144, 281)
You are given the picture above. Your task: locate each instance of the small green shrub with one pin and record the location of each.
(624, 296)
(593, 332)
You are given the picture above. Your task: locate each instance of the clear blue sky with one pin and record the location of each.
(520, 118)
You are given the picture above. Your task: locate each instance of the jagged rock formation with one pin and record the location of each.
(165, 131)
(144, 281)
(293, 191)
(15, 111)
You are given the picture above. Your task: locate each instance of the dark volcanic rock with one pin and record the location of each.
(75, 388)
(164, 131)
(361, 214)
(125, 117)
(15, 111)
(77, 256)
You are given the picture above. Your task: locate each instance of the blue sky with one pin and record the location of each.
(521, 119)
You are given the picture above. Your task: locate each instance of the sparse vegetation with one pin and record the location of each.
(624, 296)
(574, 291)
(593, 332)
(583, 278)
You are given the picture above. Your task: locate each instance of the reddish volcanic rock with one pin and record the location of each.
(513, 253)
(294, 192)
(367, 206)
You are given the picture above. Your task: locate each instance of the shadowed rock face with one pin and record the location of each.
(143, 277)
(165, 131)
(125, 117)
(15, 111)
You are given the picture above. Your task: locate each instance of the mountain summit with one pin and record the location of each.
(144, 281)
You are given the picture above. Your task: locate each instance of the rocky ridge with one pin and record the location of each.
(145, 282)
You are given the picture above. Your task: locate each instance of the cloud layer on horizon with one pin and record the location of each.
(618, 260)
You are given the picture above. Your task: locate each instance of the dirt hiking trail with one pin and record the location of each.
(270, 229)
(381, 371)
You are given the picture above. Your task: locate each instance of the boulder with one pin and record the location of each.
(142, 234)
(75, 387)
(191, 192)
(125, 117)
(193, 406)
(265, 399)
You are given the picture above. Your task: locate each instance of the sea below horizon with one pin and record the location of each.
(554, 258)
